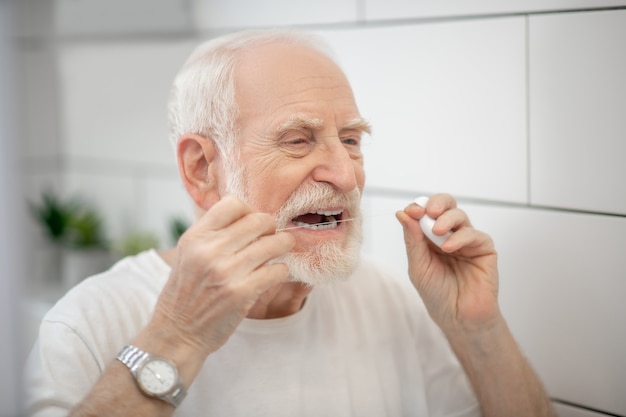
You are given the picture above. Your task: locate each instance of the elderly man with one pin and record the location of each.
(264, 308)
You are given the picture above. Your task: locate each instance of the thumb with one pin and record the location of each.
(414, 239)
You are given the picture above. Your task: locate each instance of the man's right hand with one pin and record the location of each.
(220, 271)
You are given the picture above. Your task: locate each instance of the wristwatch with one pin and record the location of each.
(156, 377)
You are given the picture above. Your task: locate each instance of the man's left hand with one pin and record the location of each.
(459, 281)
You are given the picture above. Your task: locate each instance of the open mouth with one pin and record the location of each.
(319, 220)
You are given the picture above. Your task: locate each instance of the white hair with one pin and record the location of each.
(202, 98)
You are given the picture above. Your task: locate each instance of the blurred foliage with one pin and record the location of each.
(52, 214)
(178, 226)
(72, 223)
(136, 242)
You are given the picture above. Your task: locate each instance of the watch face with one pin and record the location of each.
(157, 377)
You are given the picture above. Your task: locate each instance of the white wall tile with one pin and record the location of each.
(47, 18)
(35, 18)
(39, 100)
(88, 17)
(561, 285)
(219, 14)
(131, 201)
(114, 195)
(447, 104)
(114, 99)
(403, 9)
(162, 200)
(577, 110)
(383, 240)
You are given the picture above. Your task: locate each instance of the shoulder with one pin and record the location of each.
(107, 309)
(86, 328)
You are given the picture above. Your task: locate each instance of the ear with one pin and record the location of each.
(197, 166)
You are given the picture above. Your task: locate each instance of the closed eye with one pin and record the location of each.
(296, 146)
(297, 141)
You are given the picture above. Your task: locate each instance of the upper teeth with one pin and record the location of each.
(328, 212)
(331, 223)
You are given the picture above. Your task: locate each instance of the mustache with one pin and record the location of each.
(315, 196)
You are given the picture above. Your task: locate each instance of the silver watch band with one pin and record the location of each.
(134, 358)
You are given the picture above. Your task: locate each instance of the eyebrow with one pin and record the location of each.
(301, 121)
(358, 123)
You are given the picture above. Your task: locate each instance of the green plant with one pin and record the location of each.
(178, 226)
(136, 242)
(72, 223)
(53, 215)
(85, 229)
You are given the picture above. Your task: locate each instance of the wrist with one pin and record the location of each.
(488, 334)
(156, 377)
(162, 342)
(469, 315)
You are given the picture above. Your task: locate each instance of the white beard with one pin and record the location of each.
(328, 261)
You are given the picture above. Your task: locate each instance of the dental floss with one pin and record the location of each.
(336, 221)
(319, 224)
(427, 223)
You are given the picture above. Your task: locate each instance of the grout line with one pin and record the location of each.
(410, 195)
(584, 407)
(360, 22)
(95, 166)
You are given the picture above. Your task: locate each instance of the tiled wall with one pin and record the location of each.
(518, 109)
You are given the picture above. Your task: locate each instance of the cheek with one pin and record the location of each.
(359, 173)
(269, 189)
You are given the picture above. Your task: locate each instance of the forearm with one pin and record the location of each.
(501, 377)
(117, 394)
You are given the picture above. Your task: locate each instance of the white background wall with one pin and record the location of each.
(518, 108)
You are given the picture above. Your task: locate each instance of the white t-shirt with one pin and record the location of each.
(363, 347)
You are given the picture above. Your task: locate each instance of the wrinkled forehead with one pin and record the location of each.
(283, 76)
(279, 63)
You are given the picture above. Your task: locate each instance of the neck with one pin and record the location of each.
(279, 301)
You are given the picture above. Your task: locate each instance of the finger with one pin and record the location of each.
(263, 250)
(469, 242)
(238, 266)
(205, 259)
(436, 205)
(450, 220)
(268, 276)
(413, 236)
(418, 247)
(243, 232)
(440, 203)
(223, 213)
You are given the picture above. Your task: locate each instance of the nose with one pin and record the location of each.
(336, 167)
